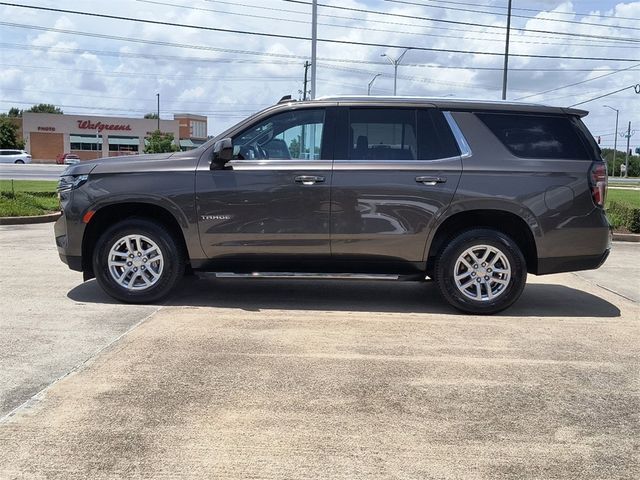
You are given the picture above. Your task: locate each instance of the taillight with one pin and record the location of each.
(598, 181)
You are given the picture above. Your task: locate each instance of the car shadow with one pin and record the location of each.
(537, 300)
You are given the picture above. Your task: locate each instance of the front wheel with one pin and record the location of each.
(481, 271)
(138, 261)
(19, 162)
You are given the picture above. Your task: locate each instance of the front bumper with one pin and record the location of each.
(69, 253)
(74, 262)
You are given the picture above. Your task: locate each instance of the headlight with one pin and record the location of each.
(71, 182)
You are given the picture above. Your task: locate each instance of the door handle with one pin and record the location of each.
(309, 179)
(428, 180)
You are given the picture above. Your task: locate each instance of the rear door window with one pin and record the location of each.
(435, 139)
(537, 136)
(382, 134)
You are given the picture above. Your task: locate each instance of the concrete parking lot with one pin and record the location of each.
(241, 378)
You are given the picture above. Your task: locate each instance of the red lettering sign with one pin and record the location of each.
(99, 126)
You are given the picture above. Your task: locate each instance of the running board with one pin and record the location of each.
(317, 276)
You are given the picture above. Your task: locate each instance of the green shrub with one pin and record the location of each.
(623, 215)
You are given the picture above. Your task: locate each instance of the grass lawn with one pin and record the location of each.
(27, 198)
(631, 197)
(29, 186)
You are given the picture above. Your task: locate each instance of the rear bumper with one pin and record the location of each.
(571, 264)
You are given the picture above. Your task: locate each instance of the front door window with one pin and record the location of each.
(294, 135)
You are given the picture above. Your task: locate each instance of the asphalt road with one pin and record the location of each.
(241, 378)
(32, 171)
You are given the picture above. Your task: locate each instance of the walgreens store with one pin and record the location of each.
(48, 135)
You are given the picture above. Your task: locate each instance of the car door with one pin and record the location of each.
(396, 169)
(270, 204)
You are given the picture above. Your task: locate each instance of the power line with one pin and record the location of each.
(416, 79)
(292, 61)
(578, 83)
(387, 22)
(459, 22)
(522, 9)
(636, 87)
(332, 67)
(21, 102)
(151, 42)
(297, 37)
(165, 101)
(484, 12)
(242, 78)
(352, 27)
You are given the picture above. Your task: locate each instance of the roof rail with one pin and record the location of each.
(286, 98)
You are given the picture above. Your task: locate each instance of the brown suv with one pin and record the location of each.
(474, 195)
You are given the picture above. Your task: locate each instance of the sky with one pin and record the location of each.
(115, 67)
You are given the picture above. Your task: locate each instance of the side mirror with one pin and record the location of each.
(222, 153)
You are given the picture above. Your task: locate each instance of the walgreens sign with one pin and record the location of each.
(99, 126)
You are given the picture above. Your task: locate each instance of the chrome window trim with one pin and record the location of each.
(389, 164)
(280, 164)
(465, 149)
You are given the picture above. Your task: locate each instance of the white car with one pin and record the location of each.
(71, 159)
(14, 156)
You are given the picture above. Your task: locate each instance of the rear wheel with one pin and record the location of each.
(481, 271)
(138, 261)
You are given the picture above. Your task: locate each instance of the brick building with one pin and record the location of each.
(48, 135)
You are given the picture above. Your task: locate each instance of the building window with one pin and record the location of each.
(85, 142)
(198, 129)
(124, 144)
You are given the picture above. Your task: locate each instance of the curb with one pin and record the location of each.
(52, 217)
(626, 237)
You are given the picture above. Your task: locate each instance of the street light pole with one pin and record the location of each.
(314, 41)
(615, 139)
(158, 95)
(628, 135)
(371, 83)
(395, 62)
(506, 56)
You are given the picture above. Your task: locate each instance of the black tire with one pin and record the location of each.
(172, 254)
(19, 162)
(446, 264)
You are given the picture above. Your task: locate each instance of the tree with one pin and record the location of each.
(294, 147)
(45, 108)
(150, 115)
(634, 162)
(15, 112)
(160, 142)
(9, 135)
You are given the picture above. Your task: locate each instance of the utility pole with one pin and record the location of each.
(304, 88)
(395, 62)
(371, 83)
(506, 56)
(615, 140)
(314, 41)
(629, 134)
(158, 95)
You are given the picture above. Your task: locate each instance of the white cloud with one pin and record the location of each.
(230, 85)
